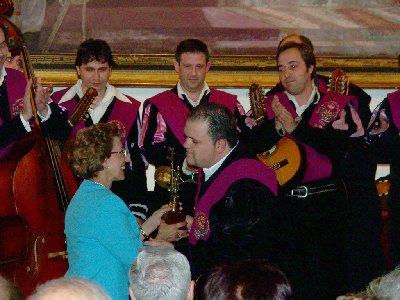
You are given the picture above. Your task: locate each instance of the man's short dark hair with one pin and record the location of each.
(221, 121)
(192, 46)
(248, 279)
(305, 51)
(303, 39)
(94, 49)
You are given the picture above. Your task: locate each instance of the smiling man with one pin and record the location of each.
(93, 65)
(164, 114)
(365, 259)
(234, 213)
(314, 206)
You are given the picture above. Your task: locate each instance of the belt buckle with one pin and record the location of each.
(300, 189)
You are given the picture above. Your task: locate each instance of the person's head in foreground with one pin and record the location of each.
(160, 273)
(248, 279)
(69, 289)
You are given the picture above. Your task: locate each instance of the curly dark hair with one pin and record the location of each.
(92, 146)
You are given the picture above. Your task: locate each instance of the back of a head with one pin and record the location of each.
(221, 121)
(160, 273)
(386, 287)
(250, 280)
(9, 291)
(69, 288)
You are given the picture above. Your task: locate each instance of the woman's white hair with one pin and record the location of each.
(160, 273)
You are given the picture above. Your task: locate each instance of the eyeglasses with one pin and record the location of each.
(122, 151)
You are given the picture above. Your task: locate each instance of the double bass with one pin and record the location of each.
(35, 190)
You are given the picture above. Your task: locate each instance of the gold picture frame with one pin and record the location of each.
(227, 71)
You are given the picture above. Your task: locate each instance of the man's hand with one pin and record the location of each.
(27, 109)
(283, 116)
(340, 123)
(42, 97)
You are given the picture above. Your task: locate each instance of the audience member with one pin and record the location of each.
(69, 289)
(386, 287)
(248, 279)
(103, 237)
(9, 291)
(160, 273)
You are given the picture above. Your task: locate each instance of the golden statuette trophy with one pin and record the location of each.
(170, 177)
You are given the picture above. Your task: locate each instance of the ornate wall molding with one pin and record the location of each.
(156, 70)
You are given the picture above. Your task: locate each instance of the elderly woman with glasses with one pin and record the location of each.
(103, 237)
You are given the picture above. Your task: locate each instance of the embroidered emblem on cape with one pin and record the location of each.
(201, 225)
(17, 107)
(328, 112)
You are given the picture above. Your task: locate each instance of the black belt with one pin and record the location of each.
(304, 191)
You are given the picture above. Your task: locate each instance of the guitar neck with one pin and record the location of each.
(257, 102)
(83, 106)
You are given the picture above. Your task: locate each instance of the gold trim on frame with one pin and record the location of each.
(236, 71)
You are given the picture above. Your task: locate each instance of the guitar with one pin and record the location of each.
(286, 157)
(82, 107)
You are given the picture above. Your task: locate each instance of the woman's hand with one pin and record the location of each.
(154, 220)
(189, 221)
(172, 232)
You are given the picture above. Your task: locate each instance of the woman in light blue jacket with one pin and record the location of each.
(103, 237)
